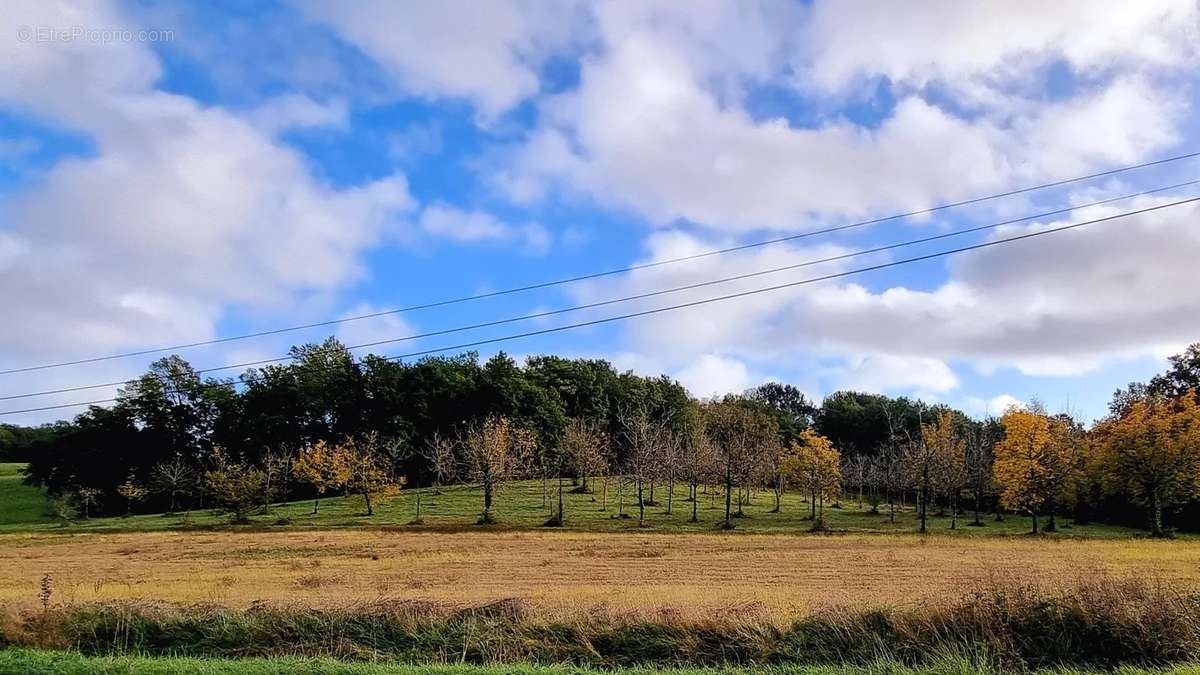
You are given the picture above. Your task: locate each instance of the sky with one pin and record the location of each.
(175, 172)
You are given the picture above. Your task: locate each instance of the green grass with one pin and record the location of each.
(520, 505)
(20, 504)
(34, 662)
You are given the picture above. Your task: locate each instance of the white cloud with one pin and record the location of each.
(679, 147)
(472, 227)
(415, 142)
(715, 375)
(374, 329)
(182, 211)
(880, 373)
(443, 220)
(488, 53)
(297, 111)
(991, 407)
(982, 44)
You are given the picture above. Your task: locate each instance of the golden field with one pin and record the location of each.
(564, 572)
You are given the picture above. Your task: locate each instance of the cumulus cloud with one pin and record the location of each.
(672, 152)
(888, 373)
(959, 43)
(182, 210)
(472, 226)
(487, 53)
(297, 111)
(714, 375)
(1057, 305)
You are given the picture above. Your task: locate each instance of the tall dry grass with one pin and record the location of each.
(1104, 622)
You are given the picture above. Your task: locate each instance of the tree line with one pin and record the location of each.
(329, 423)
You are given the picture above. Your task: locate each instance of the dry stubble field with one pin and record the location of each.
(563, 573)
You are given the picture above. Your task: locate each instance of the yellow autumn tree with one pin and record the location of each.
(941, 465)
(371, 470)
(1034, 462)
(1152, 454)
(325, 467)
(814, 465)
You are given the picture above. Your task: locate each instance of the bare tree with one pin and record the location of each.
(647, 440)
(697, 459)
(173, 478)
(891, 474)
(443, 462)
(776, 475)
(586, 447)
(740, 436)
(491, 448)
(855, 472)
(980, 456)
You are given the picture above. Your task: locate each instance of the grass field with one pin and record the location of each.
(520, 505)
(707, 574)
(65, 663)
(20, 505)
(339, 573)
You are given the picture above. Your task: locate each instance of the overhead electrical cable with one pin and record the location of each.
(605, 273)
(721, 298)
(641, 296)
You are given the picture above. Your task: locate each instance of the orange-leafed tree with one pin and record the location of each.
(945, 468)
(1152, 454)
(324, 466)
(1034, 461)
(371, 472)
(813, 464)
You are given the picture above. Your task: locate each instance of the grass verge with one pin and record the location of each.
(33, 662)
(1103, 623)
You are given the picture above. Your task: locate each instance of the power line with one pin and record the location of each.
(730, 296)
(641, 296)
(605, 273)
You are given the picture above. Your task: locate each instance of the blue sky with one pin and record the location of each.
(172, 172)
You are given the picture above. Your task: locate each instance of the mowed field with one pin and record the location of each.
(770, 566)
(563, 573)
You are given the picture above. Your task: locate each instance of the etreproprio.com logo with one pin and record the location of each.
(96, 35)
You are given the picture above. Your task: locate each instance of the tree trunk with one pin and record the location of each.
(487, 501)
(954, 512)
(641, 504)
(366, 493)
(978, 499)
(1156, 528)
(316, 503)
(728, 500)
(1033, 515)
(561, 517)
(670, 495)
(695, 519)
(923, 498)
